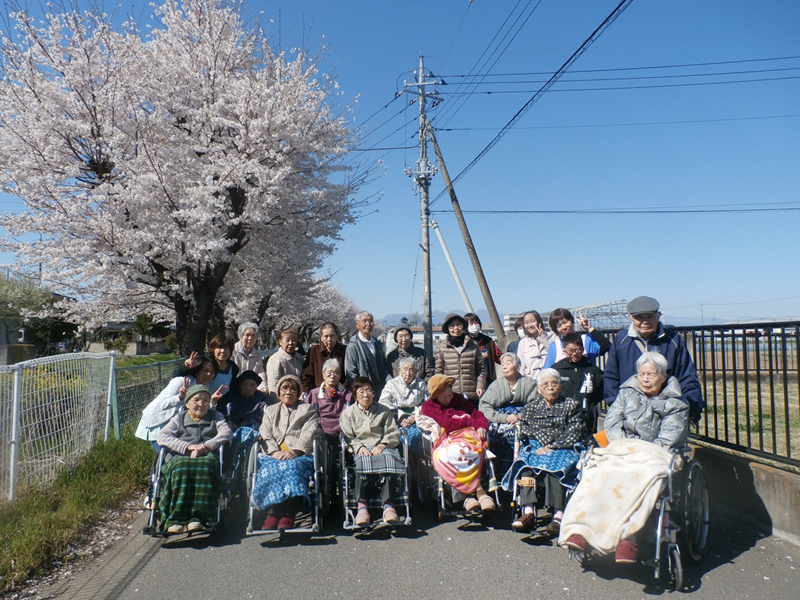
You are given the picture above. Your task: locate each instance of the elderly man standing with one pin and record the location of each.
(647, 334)
(364, 356)
(245, 354)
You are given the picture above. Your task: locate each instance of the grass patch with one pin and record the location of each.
(37, 528)
(133, 361)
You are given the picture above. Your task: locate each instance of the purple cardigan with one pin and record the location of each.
(330, 409)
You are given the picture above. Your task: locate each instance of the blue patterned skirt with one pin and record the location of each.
(561, 463)
(279, 480)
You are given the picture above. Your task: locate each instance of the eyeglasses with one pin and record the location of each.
(364, 392)
(573, 351)
(550, 384)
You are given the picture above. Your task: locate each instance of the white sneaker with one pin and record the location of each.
(176, 529)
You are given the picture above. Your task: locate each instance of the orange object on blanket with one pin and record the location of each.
(458, 458)
(601, 438)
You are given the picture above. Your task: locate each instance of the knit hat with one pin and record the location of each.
(402, 328)
(453, 317)
(643, 304)
(248, 375)
(293, 378)
(194, 390)
(437, 383)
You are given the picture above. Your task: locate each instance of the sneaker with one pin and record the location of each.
(285, 523)
(176, 529)
(471, 505)
(627, 552)
(555, 524)
(362, 517)
(390, 515)
(576, 542)
(270, 523)
(195, 526)
(525, 523)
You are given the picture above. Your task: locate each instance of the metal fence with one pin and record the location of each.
(137, 386)
(749, 375)
(51, 412)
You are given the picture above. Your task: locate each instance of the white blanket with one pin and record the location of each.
(619, 487)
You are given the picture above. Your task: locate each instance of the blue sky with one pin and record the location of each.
(687, 146)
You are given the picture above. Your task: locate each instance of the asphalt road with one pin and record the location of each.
(425, 560)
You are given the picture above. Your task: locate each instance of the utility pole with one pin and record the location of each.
(422, 178)
(473, 255)
(450, 262)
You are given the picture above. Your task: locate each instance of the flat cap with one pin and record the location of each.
(643, 304)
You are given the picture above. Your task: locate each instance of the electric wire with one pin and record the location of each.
(618, 10)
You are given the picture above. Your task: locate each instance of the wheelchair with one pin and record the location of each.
(433, 491)
(309, 518)
(678, 526)
(155, 526)
(400, 495)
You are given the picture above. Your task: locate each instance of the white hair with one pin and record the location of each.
(548, 374)
(513, 357)
(331, 363)
(244, 327)
(653, 358)
(361, 314)
(408, 360)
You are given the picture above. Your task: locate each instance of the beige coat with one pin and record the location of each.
(464, 364)
(368, 429)
(296, 426)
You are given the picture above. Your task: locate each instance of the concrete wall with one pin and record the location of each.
(742, 489)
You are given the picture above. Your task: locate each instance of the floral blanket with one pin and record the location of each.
(279, 480)
(458, 459)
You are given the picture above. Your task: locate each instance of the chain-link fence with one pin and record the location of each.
(51, 412)
(137, 386)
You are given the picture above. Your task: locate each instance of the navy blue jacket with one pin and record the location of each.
(621, 364)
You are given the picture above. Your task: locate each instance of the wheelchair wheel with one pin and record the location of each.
(695, 513)
(675, 568)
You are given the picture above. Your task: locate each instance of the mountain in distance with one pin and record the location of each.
(437, 317)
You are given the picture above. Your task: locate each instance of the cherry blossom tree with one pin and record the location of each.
(175, 173)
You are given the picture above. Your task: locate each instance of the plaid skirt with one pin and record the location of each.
(387, 464)
(191, 490)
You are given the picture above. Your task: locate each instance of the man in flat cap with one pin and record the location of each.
(647, 334)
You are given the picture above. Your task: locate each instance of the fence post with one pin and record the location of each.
(15, 427)
(112, 407)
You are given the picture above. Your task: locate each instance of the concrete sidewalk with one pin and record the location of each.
(106, 576)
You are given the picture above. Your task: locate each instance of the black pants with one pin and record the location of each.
(554, 494)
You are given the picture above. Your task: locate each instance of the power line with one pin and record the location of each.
(555, 77)
(453, 108)
(640, 87)
(644, 68)
(624, 211)
(648, 77)
(684, 122)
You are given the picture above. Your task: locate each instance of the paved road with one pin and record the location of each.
(427, 560)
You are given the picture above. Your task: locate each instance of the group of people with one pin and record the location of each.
(545, 391)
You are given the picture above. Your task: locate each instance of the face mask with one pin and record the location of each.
(474, 329)
(521, 333)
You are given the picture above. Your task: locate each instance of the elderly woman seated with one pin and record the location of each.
(648, 419)
(402, 395)
(502, 403)
(287, 437)
(460, 448)
(371, 434)
(192, 482)
(173, 397)
(550, 425)
(247, 402)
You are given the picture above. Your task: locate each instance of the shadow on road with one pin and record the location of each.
(724, 546)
